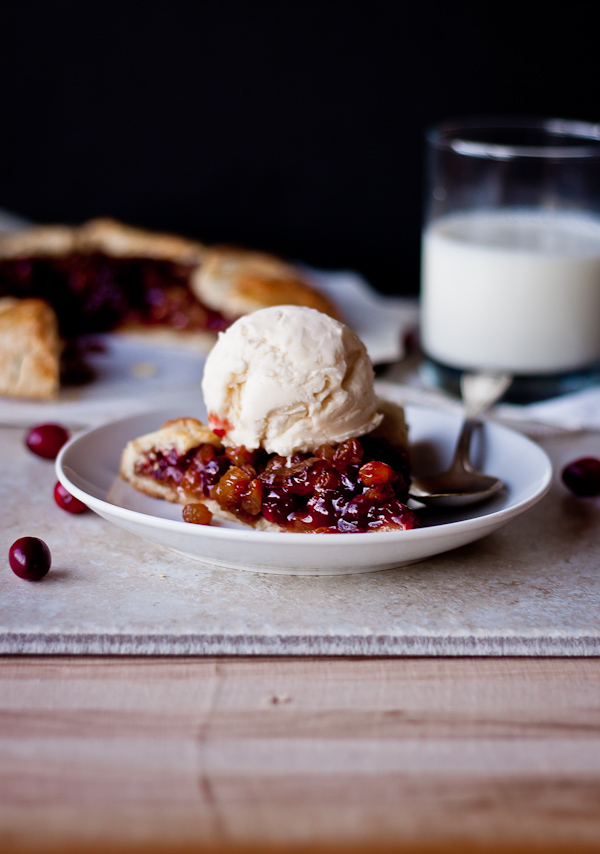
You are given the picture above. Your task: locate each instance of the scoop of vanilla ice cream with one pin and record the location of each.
(289, 379)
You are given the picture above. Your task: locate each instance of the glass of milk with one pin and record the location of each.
(511, 253)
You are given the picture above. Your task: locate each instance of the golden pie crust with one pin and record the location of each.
(235, 281)
(53, 240)
(125, 241)
(105, 235)
(29, 349)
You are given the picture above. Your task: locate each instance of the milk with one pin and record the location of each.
(515, 290)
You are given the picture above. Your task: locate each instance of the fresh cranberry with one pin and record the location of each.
(29, 558)
(46, 440)
(582, 477)
(66, 501)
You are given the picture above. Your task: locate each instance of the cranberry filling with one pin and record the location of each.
(360, 485)
(92, 292)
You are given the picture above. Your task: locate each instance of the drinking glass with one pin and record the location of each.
(510, 277)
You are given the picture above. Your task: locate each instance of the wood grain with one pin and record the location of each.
(304, 755)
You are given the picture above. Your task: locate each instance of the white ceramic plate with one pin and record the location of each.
(88, 467)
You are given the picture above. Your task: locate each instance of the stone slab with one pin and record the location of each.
(532, 588)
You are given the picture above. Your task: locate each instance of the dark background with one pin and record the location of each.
(291, 127)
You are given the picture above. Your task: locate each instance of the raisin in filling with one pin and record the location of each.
(360, 485)
(93, 292)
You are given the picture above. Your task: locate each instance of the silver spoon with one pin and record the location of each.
(462, 484)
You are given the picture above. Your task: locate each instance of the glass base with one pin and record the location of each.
(523, 389)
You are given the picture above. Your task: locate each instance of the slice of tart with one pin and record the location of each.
(359, 485)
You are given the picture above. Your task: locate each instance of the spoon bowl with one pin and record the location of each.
(461, 483)
(453, 489)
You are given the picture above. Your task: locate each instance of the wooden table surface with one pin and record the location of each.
(197, 754)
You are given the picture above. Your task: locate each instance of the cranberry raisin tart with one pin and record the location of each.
(104, 276)
(359, 485)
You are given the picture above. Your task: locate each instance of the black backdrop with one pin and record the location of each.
(291, 127)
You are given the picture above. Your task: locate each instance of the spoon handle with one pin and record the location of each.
(479, 393)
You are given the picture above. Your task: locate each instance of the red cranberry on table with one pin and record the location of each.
(46, 440)
(66, 501)
(582, 477)
(29, 558)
